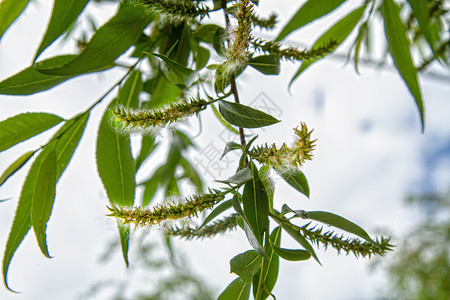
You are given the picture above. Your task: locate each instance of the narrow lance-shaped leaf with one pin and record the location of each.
(230, 146)
(178, 73)
(217, 211)
(340, 222)
(64, 13)
(422, 13)
(236, 290)
(301, 240)
(245, 265)
(239, 177)
(308, 12)
(399, 48)
(295, 178)
(295, 234)
(24, 126)
(108, 43)
(245, 116)
(116, 167)
(148, 144)
(266, 64)
(291, 254)
(337, 33)
(129, 92)
(251, 237)
(10, 10)
(64, 147)
(273, 266)
(124, 234)
(16, 166)
(256, 203)
(30, 81)
(43, 198)
(152, 184)
(115, 163)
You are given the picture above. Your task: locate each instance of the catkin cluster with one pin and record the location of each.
(174, 8)
(126, 118)
(292, 53)
(300, 151)
(348, 245)
(241, 35)
(169, 211)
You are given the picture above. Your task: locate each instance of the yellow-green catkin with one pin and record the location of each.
(126, 118)
(177, 9)
(292, 53)
(169, 211)
(296, 155)
(237, 53)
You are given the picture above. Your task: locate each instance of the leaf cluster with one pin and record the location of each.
(173, 56)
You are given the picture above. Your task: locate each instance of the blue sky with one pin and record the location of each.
(370, 154)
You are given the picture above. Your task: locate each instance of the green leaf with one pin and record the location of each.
(362, 34)
(30, 81)
(266, 64)
(151, 185)
(68, 137)
(217, 211)
(108, 43)
(308, 12)
(339, 222)
(191, 174)
(422, 13)
(124, 234)
(10, 10)
(298, 213)
(16, 166)
(116, 167)
(201, 57)
(163, 92)
(251, 237)
(24, 126)
(256, 204)
(241, 176)
(398, 46)
(230, 146)
(236, 290)
(115, 163)
(129, 92)
(222, 120)
(295, 178)
(273, 266)
(148, 144)
(268, 183)
(206, 32)
(295, 234)
(43, 199)
(245, 265)
(64, 13)
(338, 33)
(177, 73)
(219, 41)
(244, 116)
(291, 254)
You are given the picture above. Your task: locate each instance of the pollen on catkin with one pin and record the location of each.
(126, 118)
(174, 9)
(171, 210)
(296, 155)
(237, 53)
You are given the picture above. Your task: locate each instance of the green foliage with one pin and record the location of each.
(174, 53)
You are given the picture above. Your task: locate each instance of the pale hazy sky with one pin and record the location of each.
(370, 154)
